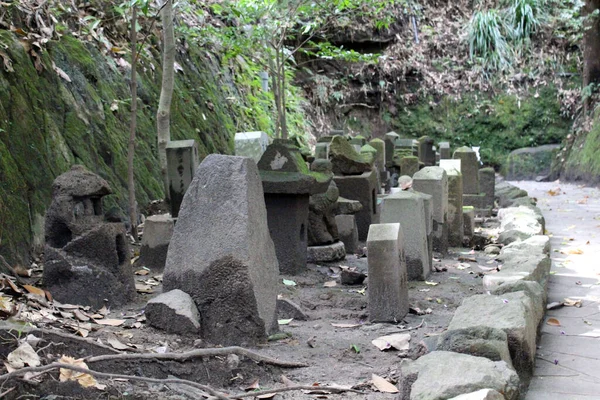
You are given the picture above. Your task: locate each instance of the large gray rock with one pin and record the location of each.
(517, 267)
(483, 394)
(346, 160)
(480, 341)
(222, 255)
(506, 194)
(173, 312)
(530, 162)
(326, 253)
(533, 289)
(441, 375)
(515, 313)
(538, 244)
(363, 188)
(86, 260)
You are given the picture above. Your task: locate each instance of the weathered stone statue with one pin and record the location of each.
(322, 228)
(87, 259)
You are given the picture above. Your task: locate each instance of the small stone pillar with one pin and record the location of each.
(455, 206)
(322, 151)
(487, 185)
(469, 222)
(434, 181)
(251, 144)
(445, 151)
(182, 162)
(409, 165)
(288, 184)
(158, 230)
(408, 209)
(388, 289)
(469, 169)
(426, 152)
(390, 145)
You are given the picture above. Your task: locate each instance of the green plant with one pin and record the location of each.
(524, 16)
(487, 40)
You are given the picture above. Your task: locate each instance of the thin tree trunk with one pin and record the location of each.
(163, 116)
(591, 48)
(284, 130)
(132, 127)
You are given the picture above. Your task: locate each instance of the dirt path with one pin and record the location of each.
(568, 356)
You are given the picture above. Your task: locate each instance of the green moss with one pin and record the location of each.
(498, 123)
(583, 161)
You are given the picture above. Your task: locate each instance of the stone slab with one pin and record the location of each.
(326, 253)
(363, 188)
(174, 312)
(348, 232)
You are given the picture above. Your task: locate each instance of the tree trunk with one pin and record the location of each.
(163, 115)
(284, 130)
(132, 127)
(591, 47)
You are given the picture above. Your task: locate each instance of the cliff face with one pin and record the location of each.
(583, 161)
(78, 112)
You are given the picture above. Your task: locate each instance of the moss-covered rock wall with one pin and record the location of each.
(583, 160)
(49, 122)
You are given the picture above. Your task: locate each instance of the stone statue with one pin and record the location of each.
(322, 228)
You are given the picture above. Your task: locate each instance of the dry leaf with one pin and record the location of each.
(61, 73)
(330, 284)
(575, 251)
(284, 321)
(142, 272)
(85, 380)
(572, 303)
(116, 344)
(431, 283)
(253, 386)
(287, 382)
(553, 322)
(22, 356)
(110, 322)
(399, 341)
(382, 384)
(80, 315)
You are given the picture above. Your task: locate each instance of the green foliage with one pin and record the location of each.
(487, 38)
(524, 17)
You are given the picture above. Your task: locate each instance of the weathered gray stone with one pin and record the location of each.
(455, 207)
(530, 162)
(469, 169)
(251, 144)
(86, 260)
(379, 145)
(517, 267)
(538, 244)
(158, 230)
(326, 253)
(434, 181)
(506, 194)
(182, 161)
(322, 226)
(351, 277)
(408, 209)
(347, 206)
(409, 165)
(288, 309)
(483, 394)
(363, 188)
(480, 341)
(388, 286)
(468, 222)
(487, 185)
(390, 144)
(322, 151)
(346, 160)
(174, 312)
(426, 151)
(348, 232)
(221, 252)
(441, 375)
(519, 223)
(534, 290)
(445, 151)
(515, 313)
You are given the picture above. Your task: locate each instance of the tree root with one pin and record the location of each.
(209, 352)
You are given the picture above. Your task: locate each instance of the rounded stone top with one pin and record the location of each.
(322, 165)
(464, 149)
(367, 148)
(80, 182)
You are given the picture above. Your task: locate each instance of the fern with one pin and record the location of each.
(487, 40)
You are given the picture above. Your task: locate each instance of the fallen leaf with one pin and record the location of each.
(362, 291)
(142, 272)
(571, 227)
(398, 341)
(116, 344)
(288, 282)
(284, 321)
(382, 385)
(344, 325)
(431, 283)
(143, 288)
(286, 381)
(575, 251)
(424, 290)
(80, 315)
(60, 72)
(110, 322)
(572, 303)
(356, 348)
(22, 356)
(553, 322)
(330, 284)
(85, 380)
(253, 386)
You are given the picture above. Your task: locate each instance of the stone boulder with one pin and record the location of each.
(222, 255)
(346, 160)
(530, 163)
(173, 312)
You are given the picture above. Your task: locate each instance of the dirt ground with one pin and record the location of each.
(335, 355)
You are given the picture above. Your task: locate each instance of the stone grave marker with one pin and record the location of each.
(182, 161)
(251, 144)
(434, 181)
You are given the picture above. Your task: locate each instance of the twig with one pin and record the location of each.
(11, 270)
(410, 328)
(49, 367)
(7, 392)
(211, 352)
(355, 105)
(332, 389)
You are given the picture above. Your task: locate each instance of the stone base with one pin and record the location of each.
(158, 230)
(326, 253)
(479, 203)
(363, 188)
(348, 232)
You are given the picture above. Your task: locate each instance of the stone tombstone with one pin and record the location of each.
(86, 259)
(379, 145)
(390, 145)
(322, 151)
(445, 151)
(455, 205)
(451, 164)
(322, 226)
(426, 151)
(363, 188)
(222, 254)
(288, 184)
(409, 165)
(487, 185)
(345, 159)
(407, 147)
(428, 206)
(434, 181)
(325, 139)
(251, 144)
(388, 286)
(468, 221)
(370, 154)
(408, 209)
(348, 232)
(158, 230)
(469, 169)
(358, 142)
(182, 161)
